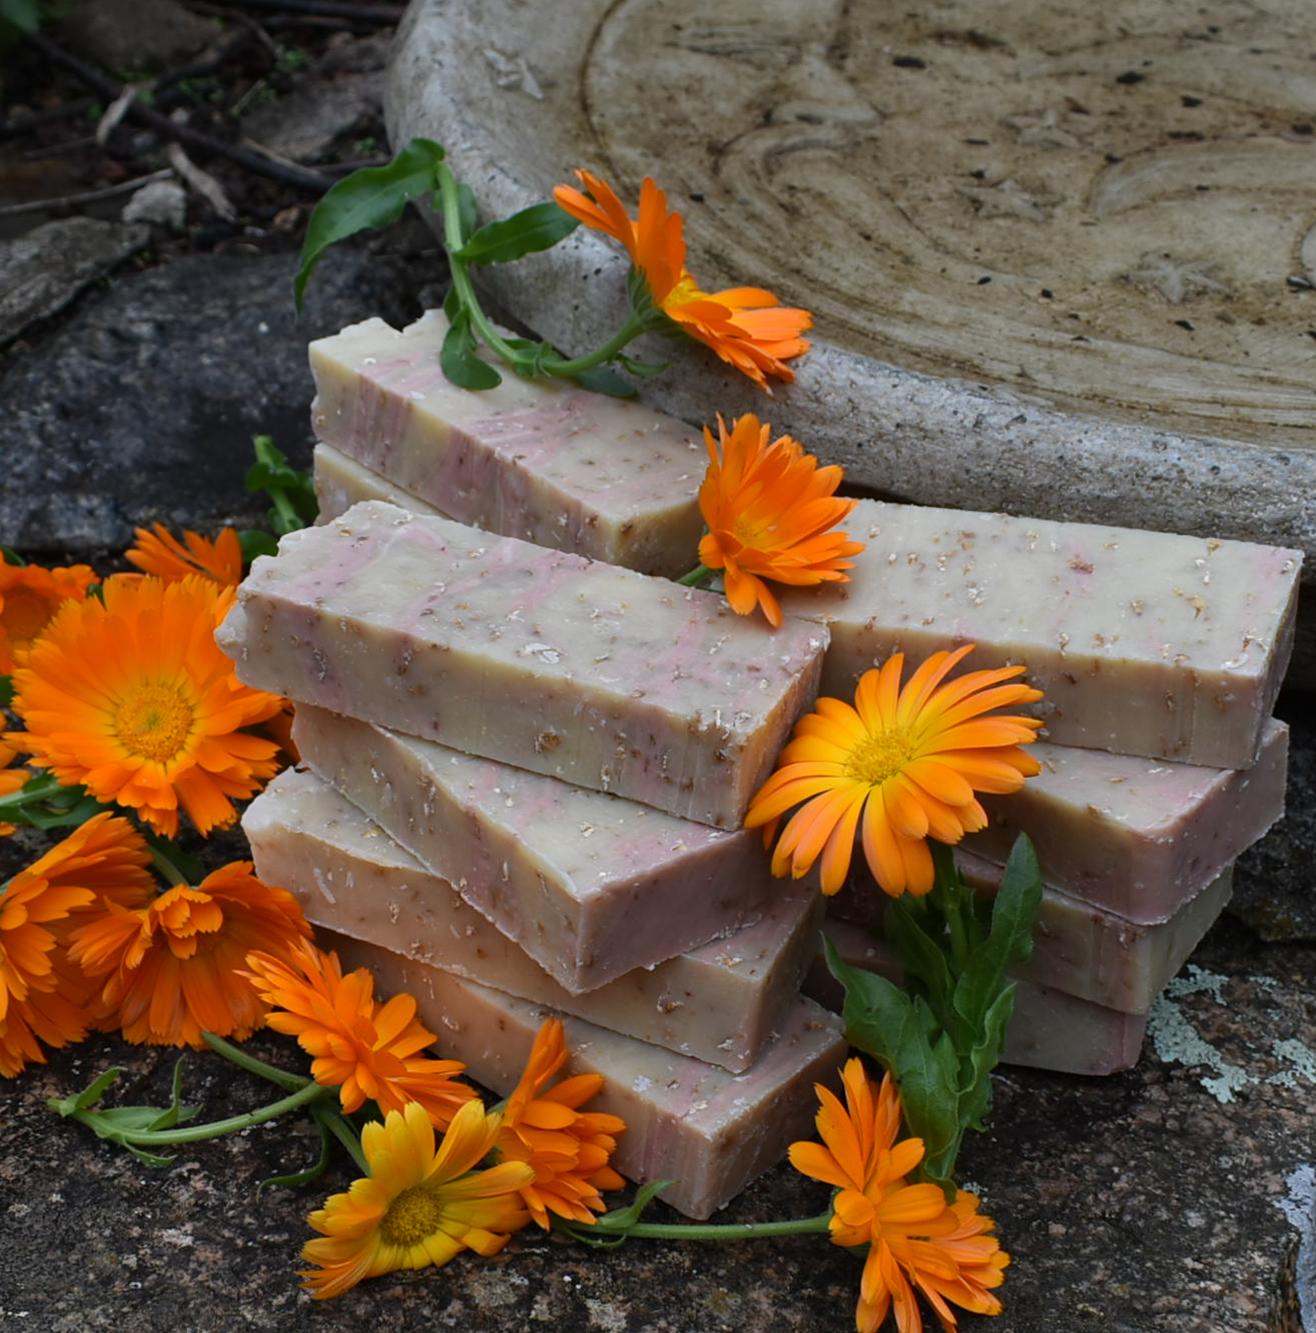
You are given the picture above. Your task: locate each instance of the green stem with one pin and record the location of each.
(37, 788)
(279, 1077)
(697, 578)
(345, 1135)
(158, 1138)
(166, 867)
(800, 1226)
(628, 332)
(453, 240)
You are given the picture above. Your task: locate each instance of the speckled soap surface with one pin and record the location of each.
(597, 675)
(708, 1131)
(543, 461)
(589, 885)
(1145, 643)
(1135, 836)
(719, 1003)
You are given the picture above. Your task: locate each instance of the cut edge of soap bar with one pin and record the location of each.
(341, 482)
(1048, 1030)
(715, 883)
(719, 1003)
(709, 1131)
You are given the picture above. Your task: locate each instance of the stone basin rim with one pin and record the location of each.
(899, 432)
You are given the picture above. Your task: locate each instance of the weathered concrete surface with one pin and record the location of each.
(44, 270)
(1002, 245)
(142, 404)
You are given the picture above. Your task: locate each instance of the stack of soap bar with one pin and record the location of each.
(1089, 953)
(341, 482)
(601, 676)
(588, 885)
(709, 1131)
(1145, 643)
(1132, 835)
(542, 461)
(718, 1003)
(1050, 1029)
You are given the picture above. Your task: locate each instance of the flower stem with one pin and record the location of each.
(159, 1138)
(166, 867)
(279, 1077)
(344, 1133)
(800, 1226)
(629, 331)
(36, 788)
(698, 577)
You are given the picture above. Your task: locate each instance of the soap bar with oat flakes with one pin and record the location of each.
(341, 482)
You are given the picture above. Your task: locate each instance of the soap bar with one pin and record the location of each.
(1049, 1029)
(597, 675)
(590, 886)
(1144, 643)
(1077, 948)
(708, 1131)
(543, 461)
(341, 482)
(1133, 836)
(718, 1003)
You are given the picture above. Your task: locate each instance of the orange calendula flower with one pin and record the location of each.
(367, 1050)
(172, 969)
(134, 700)
(907, 760)
(43, 998)
(569, 1149)
(770, 511)
(744, 325)
(157, 551)
(418, 1207)
(914, 1238)
(29, 597)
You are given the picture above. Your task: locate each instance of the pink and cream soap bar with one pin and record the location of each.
(719, 1003)
(341, 482)
(708, 1131)
(1145, 643)
(597, 675)
(588, 885)
(546, 462)
(1135, 836)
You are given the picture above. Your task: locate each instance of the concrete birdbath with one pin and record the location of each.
(1060, 257)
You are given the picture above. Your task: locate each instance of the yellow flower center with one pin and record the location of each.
(685, 291)
(154, 721)
(26, 614)
(877, 758)
(413, 1215)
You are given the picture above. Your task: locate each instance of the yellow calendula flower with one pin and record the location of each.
(133, 699)
(905, 761)
(744, 325)
(419, 1206)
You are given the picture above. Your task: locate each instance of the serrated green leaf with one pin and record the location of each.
(602, 379)
(459, 361)
(255, 542)
(371, 198)
(89, 1096)
(539, 227)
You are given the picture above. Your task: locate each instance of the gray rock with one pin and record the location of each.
(305, 124)
(161, 202)
(128, 35)
(142, 406)
(44, 269)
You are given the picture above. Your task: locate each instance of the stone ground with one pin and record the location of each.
(1168, 1198)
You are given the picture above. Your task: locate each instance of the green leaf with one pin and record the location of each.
(25, 15)
(925, 963)
(539, 227)
(459, 361)
(12, 557)
(176, 856)
(150, 1158)
(255, 542)
(6, 691)
(89, 1096)
(373, 197)
(612, 1229)
(644, 370)
(1010, 939)
(292, 491)
(313, 1172)
(452, 304)
(468, 211)
(600, 379)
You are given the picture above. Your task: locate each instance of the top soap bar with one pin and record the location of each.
(597, 675)
(545, 462)
(1145, 643)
